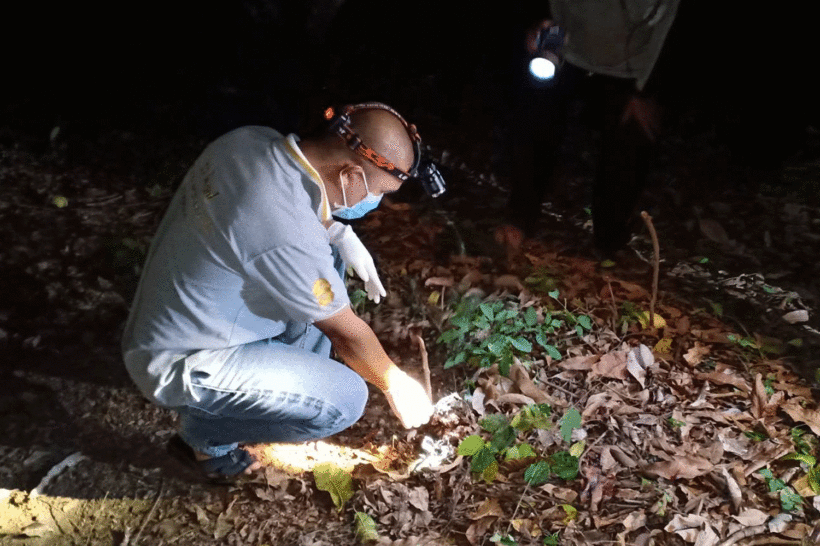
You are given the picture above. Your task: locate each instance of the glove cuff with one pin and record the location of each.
(337, 232)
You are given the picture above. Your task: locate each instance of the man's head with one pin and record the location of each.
(355, 157)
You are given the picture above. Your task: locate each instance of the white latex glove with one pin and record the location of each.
(408, 400)
(356, 256)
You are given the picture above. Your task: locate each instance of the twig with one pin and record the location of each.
(744, 533)
(517, 506)
(91, 533)
(572, 395)
(424, 363)
(656, 264)
(150, 513)
(587, 450)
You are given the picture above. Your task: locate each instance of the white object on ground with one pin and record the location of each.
(68, 462)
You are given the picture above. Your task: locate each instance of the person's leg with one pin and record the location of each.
(622, 169)
(539, 127)
(276, 390)
(269, 391)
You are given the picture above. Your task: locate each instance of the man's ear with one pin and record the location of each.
(352, 178)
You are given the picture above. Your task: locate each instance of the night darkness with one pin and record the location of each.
(207, 68)
(104, 107)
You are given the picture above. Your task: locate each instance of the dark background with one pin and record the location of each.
(202, 69)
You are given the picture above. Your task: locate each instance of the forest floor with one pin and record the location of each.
(678, 432)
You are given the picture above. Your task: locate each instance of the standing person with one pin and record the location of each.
(242, 294)
(609, 50)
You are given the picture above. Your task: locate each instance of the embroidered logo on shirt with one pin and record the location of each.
(323, 292)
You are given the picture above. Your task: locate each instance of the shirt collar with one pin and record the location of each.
(293, 148)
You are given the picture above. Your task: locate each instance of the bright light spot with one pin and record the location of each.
(542, 68)
(298, 458)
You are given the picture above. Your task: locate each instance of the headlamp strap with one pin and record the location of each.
(340, 125)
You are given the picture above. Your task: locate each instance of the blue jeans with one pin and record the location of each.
(283, 389)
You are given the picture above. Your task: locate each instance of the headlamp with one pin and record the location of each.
(424, 172)
(545, 63)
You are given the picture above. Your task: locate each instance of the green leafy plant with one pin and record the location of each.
(569, 422)
(334, 480)
(675, 424)
(504, 540)
(755, 436)
(541, 280)
(789, 498)
(503, 445)
(804, 445)
(358, 299)
(365, 527)
(486, 333)
(751, 345)
(552, 540)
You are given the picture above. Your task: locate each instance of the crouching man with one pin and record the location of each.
(243, 295)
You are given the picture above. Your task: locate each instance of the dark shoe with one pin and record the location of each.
(225, 469)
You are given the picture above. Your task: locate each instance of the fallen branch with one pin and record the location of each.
(744, 533)
(148, 516)
(424, 363)
(94, 525)
(656, 264)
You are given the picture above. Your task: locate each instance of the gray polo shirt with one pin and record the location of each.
(240, 252)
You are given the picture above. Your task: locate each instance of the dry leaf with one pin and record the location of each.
(561, 493)
(634, 520)
(799, 413)
(490, 507)
(515, 399)
(735, 493)
(610, 365)
(722, 378)
(638, 360)
(801, 315)
(508, 282)
(696, 354)
(751, 517)
(693, 528)
(607, 461)
(522, 380)
(664, 346)
(759, 397)
(683, 466)
(439, 281)
(476, 531)
(579, 363)
(713, 231)
(527, 527)
(419, 498)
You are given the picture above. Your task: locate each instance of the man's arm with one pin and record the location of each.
(357, 345)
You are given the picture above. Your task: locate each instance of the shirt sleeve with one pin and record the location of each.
(301, 280)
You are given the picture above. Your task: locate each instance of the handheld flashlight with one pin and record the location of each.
(545, 62)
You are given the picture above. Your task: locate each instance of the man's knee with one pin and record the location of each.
(351, 400)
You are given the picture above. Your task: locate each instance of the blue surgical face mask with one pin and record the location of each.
(370, 202)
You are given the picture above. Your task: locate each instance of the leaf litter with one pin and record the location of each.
(679, 426)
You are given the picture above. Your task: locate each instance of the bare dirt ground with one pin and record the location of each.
(666, 459)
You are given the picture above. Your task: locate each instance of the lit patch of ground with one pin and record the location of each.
(299, 458)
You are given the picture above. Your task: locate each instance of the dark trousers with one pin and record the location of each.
(537, 128)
